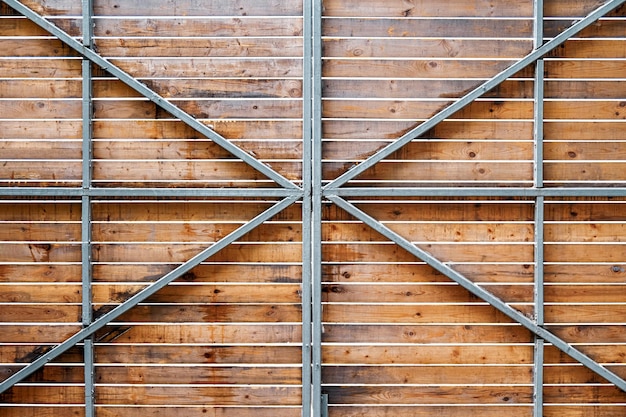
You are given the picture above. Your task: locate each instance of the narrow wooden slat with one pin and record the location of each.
(201, 333)
(582, 273)
(440, 313)
(584, 89)
(204, 294)
(200, 26)
(596, 48)
(40, 109)
(571, 8)
(428, 410)
(585, 232)
(42, 293)
(35, 47)
(577, 151)
(32, 150)
(594, 394)
(198, 375)
(25, 333)
(265, 252)
(580, 411)
(426, 334)
(592, 333)
(603, 110)
(432, 28)
(35, 88)
(198, 354)
(603, 313)
(198, 411)
(183, 8)
(426, 354)
(575, 374)
(585, 171)
(586, 211)
(42, 411)
(414, 89)
(40, 252)
(429, 395)
(432, 375)
(431, 48)
(210, 67)
(600, 29)
(60, 68)
(40, 232)
(584, 253)
(12, 313)
(40, 273)
(477, 8)
(600, 68)
(601, 353)
(415, 68)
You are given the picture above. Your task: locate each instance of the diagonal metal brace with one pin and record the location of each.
(145, 293)
(150, 94)
(474, 94)
(481, 293)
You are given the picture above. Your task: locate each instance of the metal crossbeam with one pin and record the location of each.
(150, 94)
(145, 293)
(483, 294)
(146, 192)
(480, 192)
(474, 94)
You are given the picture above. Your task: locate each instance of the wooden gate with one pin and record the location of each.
(321, 208)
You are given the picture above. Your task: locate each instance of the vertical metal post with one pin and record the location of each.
(307, 187)
(317, 206)
(87, 151)
(539, 212)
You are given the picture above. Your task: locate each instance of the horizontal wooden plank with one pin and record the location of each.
(432, 28)
(155, 395)
(400, 109)
(584, 313)
(185, 170)
(431, 375)
(585, 232)
(589, 69)
(596, 48)
(580, 273)
(200, 26)
(584, 90)
(40, 252)
(415, 68)
(562, 252)
(346, 272)
(187, 293)
(24, 353)
(577, 151)
(199, 411)
(577, 374)
(585, 211)
(429, 395)
(201, 333)
(43, 313)
(459, 129)
(583, 109)
(584, 293)
(33, 47)
(442, 333)
(606, 394)
(602, 28)
(32, 150)
(40, 109)
(457, 8)
(583, 333)
(572, 8)
(183, 8)
(45, 68)
(487, 253)
(419, 293)
(427, 48)
(413, 314)
(453, 171)
(40, 232)
(258, 273)
(511, 410)
(437, 232)
(611, 353)
(431, 149)
(26, 333)
(180, 253)
(8, 410)
(40, 273)
(59, 173)
(41, 293)
(584, 171)
(198, 354)
(205, 375)
(413, 89)
(427, 354)
(211, 67)
(600, 410)
(192, 211)
(199, 47)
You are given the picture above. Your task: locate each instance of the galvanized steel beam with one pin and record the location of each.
(150, 94)
(479, 192)
(145, 293)
(473, 95)
(481, 293)
(146, 192)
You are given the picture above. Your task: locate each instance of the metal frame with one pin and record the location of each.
(86, 264)
(538, 294)
(313, 193)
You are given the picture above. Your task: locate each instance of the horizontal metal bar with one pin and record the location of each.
(481, 293)
(477, 192)
(146, 192)
(474, 94)
(145, 293)
(150, 94)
